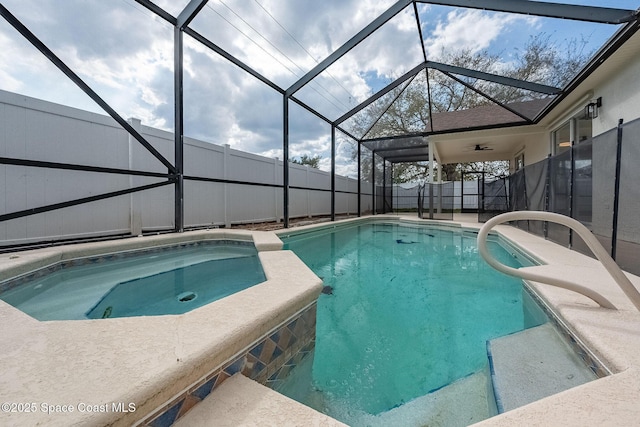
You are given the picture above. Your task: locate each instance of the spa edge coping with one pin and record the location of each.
(146, 360)
(14, 264)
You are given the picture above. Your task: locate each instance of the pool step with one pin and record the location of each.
(461, 403)
(533, 364)
(240, 401)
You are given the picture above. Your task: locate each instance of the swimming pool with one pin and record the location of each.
(155, 281)
(406, 311)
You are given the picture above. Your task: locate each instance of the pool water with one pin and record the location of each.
(154, 282)
(408, 312)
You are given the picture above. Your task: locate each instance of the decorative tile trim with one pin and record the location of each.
(268, 361)
(586, 355)
(116, 256)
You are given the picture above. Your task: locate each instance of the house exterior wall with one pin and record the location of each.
(620, 98)
(537, 150)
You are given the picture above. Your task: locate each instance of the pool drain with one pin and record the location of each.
(187, 296)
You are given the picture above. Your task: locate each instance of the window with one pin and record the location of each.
(574, 131)
(584, 129)
(519, 161)
(562, 138)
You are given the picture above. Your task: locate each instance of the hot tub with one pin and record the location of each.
(167, 279)
(145, 370)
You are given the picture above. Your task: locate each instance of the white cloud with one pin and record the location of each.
(406, 21)
(310, 147)
(126, 55)
(10, 53)
(115, 53)
(9, 83)
(239, 138)
(472, 29)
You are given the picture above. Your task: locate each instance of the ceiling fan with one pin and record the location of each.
(479, 147)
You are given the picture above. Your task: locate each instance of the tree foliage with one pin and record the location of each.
(407, 109)
(312, 161)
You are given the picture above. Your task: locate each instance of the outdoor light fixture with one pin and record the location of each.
(591, 110)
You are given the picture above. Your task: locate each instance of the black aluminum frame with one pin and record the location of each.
(175, 174)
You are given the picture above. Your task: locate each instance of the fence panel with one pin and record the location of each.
(628, 237)
(40, 130)
(535, 181)
(582, 187)
(559, 196)
(603, 177)
(496, 199)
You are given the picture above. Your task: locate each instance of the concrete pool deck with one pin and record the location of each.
(148, 360)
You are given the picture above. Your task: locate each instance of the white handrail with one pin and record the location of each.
(586, 235)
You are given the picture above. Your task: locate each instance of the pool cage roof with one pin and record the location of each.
(369, 121)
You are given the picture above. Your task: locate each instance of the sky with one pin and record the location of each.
(125, 54)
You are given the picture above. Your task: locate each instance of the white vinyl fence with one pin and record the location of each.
(405, 198)
(33, 129)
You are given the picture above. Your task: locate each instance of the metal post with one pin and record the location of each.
(359, 179)
(547, 196)
(373, 181)
(462, 192)
(431, 185)
(571, 188)
(392, 164)
(481, 193)
(430, 181)
(285, 160)
(526, 194)
(616, 192)
(333, 173)
(179, 130)
(384, 186)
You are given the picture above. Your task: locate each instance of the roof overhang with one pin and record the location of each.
(401, 149)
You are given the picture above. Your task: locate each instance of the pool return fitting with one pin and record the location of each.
(526, 274)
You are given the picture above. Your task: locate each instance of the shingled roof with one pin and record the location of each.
(488, 115)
